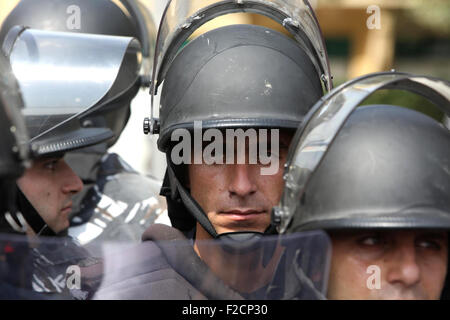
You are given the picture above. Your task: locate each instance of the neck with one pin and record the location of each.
(242, 272)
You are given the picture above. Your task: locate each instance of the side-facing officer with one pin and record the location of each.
(240, 79)
(117, 202)
(377, 179)
(55, 103)
(21, 265)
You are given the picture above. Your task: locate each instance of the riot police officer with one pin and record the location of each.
(54, 104)
(242, 77)
(376, 179)
(117, 202)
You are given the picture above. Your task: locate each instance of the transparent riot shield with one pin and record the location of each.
(63, 75)
(45, 268)
(182, 17)
(325, 120)
(279, 267)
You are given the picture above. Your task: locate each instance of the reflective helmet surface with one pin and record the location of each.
(260, 78)
(388, 168)
(105, 17)
(66, 77)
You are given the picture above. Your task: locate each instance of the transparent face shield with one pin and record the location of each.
(62, 75)
(326, 119)
(280, 267)
(12, 105)
(183, 17)
(19, 131)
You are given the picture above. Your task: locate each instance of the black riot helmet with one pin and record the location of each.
(391, 165)
(377, 166)
(239, 76)
(13, 146)
(261, 78)
(128, 18)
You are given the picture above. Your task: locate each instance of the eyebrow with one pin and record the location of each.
(433, 234)
(52, 159)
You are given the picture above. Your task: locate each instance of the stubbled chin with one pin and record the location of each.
(240, 229)
(258, 224)
(63, 225)
(387, 294)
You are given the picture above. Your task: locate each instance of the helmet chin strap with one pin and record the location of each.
(32, 217)
(192, 206)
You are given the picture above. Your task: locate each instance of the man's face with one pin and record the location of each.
(237, 197)
(49, 186)
(412, 264)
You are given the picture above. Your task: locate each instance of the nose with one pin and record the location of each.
(404, 268)
(241, 182)
(71, 182)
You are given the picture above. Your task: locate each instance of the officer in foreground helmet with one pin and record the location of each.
(112, 188)
(240, 78)
(377, 180)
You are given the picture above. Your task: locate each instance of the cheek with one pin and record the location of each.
(271, 186)
(39, 190)
(348, 274)
(203, 178)
(32, 190)
(434, 270)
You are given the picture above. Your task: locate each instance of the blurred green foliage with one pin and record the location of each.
(405, 99)
(431, 14)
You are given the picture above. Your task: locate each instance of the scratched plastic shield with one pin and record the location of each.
(285, 267)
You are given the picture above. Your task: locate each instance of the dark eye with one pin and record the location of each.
(434, 241)
(371, 240)
(428, 244)
(51, 165)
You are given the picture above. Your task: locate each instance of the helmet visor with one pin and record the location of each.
(64, 74)
(327, 118)
(183, 17)
(278, 267)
